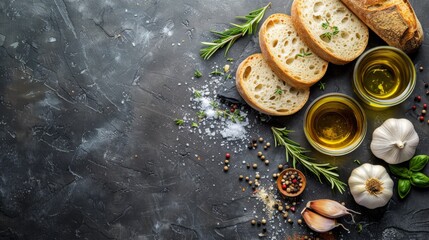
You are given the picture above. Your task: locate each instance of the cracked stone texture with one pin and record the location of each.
(88, 94)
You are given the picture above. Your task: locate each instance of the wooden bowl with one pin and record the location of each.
(284, 192)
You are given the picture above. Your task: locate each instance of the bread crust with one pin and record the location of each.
(276, 65)
(252, 102)
(312, 43)
(393, 21)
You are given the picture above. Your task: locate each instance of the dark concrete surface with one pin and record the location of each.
(89, 91)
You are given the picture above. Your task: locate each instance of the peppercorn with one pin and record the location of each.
(227, 155)
(262, 157)
(258, 176)
(268, 144)
(265, 147)
(255, 166)
(425, 106)
(267, 162)
(259, 154)
(274, 175)
(293, 203)
(284, 186)
(248, 166)
(261, 139)
(226, 168)
(264, 221)
(280, 208)
(290, 221)
(421, 118)
(426, 85)
(423, 112)
(250, 146)
(250, 182)
(232, 110)
(264, 230)
(240, 177)
(421, 68)
(226, 161)
(253, 140)
(247, 178)
(280, 167)
(253, 222)
(293, 209)
(414, 107)
(285, 215)
(418, 98)
(255, 145)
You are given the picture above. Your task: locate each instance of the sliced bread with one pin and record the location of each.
(264, 91)
(330, 29)
(288, 56)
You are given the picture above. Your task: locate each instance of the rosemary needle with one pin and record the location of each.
(294, 150)
(229, 36)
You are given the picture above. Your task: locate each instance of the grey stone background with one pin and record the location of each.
(88, 148)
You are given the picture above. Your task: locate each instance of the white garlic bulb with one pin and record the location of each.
(371, 185)
(395, 141)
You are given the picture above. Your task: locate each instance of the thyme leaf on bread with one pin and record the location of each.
(303, 53)
(332, 30)
(297, 153)
(228, 37)
(278, 91)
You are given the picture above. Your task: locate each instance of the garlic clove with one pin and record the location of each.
(319, 223)
(330, 208)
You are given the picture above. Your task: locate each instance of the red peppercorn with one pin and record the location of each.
(414, 107)
(235, 106)
(232, 110)
(421, 118)
(425, 106)
(418, 98)
(227, 156)
(293, 209)
(284, 186)
(294, 180)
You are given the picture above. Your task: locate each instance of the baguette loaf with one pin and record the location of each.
(287, 55)
(330, 29)
(264, 91)
(392, 20)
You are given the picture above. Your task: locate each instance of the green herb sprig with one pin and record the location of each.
(278, 91)
(411, 176)
(332, 30)
(303, 53)
(179, 122)
(296, 152)
(198, 73)
(322, 86)
(233, 116)
(228, 37)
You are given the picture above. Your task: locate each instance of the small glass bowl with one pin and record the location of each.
(387, 61)
(335, 124)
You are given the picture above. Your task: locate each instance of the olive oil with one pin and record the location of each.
(335, 124)
(383, 77)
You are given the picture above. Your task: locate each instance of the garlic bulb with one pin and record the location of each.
(395, 141)
(371, 185)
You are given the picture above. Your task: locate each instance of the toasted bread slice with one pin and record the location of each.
(264, 91)
(288, 56)
(330, 29)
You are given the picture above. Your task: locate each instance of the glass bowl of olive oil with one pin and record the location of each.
(335, 124)
(383, 77)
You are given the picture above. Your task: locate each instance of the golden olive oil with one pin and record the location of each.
(383, 77)
(334, 122)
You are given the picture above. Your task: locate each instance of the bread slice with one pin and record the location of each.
(288, 56)
(264, 91)
(330, 29)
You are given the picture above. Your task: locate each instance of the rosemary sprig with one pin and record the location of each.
(322, 86)
(228, 37)
(198, 73)
(296, 152)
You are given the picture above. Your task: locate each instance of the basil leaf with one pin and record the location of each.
(404, 187)
(400, 171)
(418, 162)
(419, 179)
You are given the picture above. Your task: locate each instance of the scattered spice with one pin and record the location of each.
(418, 98)
(261, 139)
(226, 161)
(255, 166)
(414, 107)
(425, 106)
(241, 177)
(267, 162)
(227, 155)
(421, 118)
(421, 68)
(226, 168)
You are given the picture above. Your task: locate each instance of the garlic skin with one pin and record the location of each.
(371, 185)
(395, 141)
